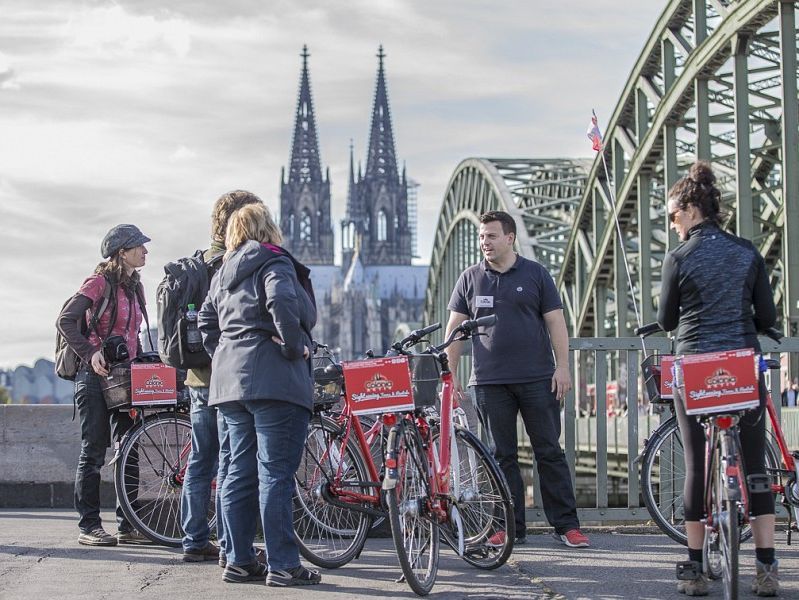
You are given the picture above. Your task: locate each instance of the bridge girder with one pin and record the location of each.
(712, 82)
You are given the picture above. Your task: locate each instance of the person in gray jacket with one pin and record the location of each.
(256, 324)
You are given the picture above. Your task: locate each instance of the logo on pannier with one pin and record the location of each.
(378, 383)
(720, 378)
(154, 381)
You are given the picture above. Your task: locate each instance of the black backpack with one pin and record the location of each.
(66, 361)
(186, 282)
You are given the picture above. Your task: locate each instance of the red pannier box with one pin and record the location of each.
(153, 383)
(717, 382)
(378, 385)
(666, 377)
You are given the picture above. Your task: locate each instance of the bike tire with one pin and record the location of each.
(726, 507)
(329, 536)
(415, 535)
(662, 480)
(484, 504)
(148, 476)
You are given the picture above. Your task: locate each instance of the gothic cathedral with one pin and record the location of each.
(376, 291)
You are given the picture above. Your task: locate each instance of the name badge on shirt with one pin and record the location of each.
(484, 302)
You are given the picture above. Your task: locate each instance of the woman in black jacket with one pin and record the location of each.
(716, 293)
(256, 324)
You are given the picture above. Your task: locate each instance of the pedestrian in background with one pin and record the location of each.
(256, 324)
(124, 252)
(513, 371)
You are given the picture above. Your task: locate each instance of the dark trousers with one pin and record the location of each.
(752, 431)
(97, 425)
(499, 406)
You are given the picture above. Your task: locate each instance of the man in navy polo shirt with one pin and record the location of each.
(513, 369)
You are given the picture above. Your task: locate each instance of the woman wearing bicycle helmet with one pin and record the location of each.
(256, 324)
(715, 292)
(97, 345)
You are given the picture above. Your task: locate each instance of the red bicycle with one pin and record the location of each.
(663, 467)
(437, 477)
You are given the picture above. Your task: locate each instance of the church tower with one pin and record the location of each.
(377, 203)
(305, 196)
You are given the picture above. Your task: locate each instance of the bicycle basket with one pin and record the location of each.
(658, 388)
(116, 387)
(328, 382)
(425, 375)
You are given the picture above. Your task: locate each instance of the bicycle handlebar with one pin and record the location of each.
(487, 321)
(650, 328)
(413, 338)
(647, 329)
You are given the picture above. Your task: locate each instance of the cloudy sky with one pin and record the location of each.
(145, 111)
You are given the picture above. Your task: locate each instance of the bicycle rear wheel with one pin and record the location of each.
(329, 536)
(148, 476)
(415, 535)
(663, 480)
(724, 501)
(484, 504)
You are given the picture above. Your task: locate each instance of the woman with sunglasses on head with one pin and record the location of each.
(715, 292)
(124, 252)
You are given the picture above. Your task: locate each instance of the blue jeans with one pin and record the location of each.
(224, 465)
(97, 426)
(200, 472)
(500, 406)
(266, 442)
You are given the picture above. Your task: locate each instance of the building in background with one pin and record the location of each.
(376, 289)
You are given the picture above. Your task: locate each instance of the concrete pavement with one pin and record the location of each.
(40, 558)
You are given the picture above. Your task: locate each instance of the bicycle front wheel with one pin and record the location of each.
(329, 536)
(148, 476)
(414, 532)
(484, 504)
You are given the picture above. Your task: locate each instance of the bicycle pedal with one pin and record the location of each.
(758, 483)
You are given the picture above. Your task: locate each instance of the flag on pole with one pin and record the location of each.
(594, 134)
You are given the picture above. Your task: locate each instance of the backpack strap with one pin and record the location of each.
(140, 298)
(108, 292)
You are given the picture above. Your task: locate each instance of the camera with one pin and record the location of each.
(115, 349)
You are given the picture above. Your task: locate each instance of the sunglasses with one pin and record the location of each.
(673, 215)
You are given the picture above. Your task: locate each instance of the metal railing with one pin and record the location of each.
(603, 436)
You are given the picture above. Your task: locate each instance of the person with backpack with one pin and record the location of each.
(100, 324)
(256, 324)
(208, 433)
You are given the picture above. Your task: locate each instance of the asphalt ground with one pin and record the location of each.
(41, 559)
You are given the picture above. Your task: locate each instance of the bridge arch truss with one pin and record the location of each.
(716, 80)
(541, 194)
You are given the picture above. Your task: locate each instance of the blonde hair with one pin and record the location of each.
(252, 222)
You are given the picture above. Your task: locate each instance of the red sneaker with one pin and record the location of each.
(574, 538)
(497, 540)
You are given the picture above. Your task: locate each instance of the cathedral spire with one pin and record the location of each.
(304, 165)
(381, 160)
(304, 194)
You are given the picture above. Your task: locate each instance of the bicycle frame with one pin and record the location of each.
(725, 428)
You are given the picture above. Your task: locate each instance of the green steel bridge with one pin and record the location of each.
(716, 80)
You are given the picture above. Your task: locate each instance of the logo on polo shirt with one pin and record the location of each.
(520, 289)
(484, 302)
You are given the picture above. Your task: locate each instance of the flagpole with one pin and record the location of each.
(612, 191)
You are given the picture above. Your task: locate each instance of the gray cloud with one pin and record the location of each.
(91, 134)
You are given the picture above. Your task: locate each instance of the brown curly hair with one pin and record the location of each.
(698, 187)
(224, 207)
